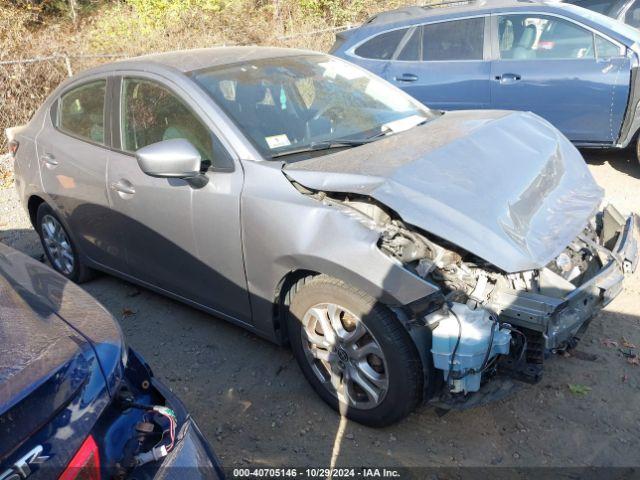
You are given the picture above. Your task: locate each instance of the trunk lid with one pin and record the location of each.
(43, 361)
(505, 186)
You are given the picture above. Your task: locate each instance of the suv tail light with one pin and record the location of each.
(85, 464)
(13, 147)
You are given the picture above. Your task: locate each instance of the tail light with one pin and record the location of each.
(13, 147)
(85, 464)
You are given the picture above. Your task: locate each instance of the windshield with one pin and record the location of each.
(612, 24)
(289, 104)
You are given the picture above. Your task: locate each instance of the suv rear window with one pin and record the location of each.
(382, 46)
(454, 40)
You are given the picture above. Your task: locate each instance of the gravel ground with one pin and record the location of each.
(257, 410)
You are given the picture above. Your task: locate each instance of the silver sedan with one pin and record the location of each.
(405, 254)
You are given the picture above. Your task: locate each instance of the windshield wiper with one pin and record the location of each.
(345, 143)
(328, 145)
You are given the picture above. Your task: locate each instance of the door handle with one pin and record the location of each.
(123, 186)
(508, 78)
(406, 77)
(49, 160)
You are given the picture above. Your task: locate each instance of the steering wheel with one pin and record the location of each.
(321, 112)
(329, 107)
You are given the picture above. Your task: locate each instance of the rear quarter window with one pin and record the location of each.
(382, 46)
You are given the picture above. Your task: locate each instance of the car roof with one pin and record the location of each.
(450, 10)
(187, 61)
(444, 8)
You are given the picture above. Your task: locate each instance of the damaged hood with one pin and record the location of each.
(505, 186)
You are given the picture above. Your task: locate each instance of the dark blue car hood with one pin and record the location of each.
(54, 340)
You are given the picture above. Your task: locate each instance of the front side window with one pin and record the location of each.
(606, 49)
(455, 40)
(539, 37)
(81, 111)
(151, 113)
(382, 46)
(285, 104)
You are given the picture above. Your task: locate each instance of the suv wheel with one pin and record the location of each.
(354, 351)
(58, 247)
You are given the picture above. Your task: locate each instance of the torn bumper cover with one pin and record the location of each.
(471, 344)
(582, 303)
(560, 319)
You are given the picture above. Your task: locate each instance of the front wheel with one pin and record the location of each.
(354, 351)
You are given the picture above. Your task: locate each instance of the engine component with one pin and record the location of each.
(465, 342)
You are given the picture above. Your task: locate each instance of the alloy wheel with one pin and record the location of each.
(344, 355)
(57, 244)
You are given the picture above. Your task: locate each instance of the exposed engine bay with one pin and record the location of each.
(489, 317)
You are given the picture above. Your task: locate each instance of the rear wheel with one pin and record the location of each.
(354, 351)
(58, 246)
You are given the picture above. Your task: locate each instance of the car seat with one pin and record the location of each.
(523, 50)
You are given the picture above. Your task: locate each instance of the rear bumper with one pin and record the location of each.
(582, 303)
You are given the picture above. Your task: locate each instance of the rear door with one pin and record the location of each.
(445, 64)
(575, 78)
(72, 152)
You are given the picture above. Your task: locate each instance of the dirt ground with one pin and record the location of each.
(255, 407)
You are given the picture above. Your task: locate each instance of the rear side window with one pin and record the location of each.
(411, 49)
(383, 46)
(81, 111)
(455, 40)
(539, 37)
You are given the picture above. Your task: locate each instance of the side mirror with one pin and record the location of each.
(175, 158)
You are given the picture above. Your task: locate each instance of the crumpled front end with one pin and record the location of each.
(497, 323)
(490, 322)
(584, 278)
(507, 226)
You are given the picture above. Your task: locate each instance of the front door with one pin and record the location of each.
(181, 238)
(445, 65)
(577, 80)
(72, 153)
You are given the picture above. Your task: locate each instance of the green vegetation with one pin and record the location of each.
(41, 28)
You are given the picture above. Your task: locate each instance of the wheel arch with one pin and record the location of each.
(282, 300)
(33, 204)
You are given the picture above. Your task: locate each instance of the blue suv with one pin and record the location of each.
(574, 67)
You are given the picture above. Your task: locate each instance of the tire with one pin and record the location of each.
(398, 372)
(67, 263)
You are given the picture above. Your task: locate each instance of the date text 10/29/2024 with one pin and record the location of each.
(334, 473)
